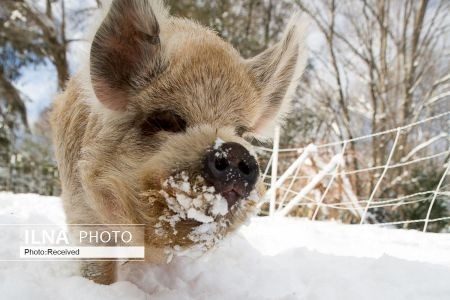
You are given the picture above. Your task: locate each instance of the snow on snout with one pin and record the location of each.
(218, 143)
(191, 199)
(197, 202)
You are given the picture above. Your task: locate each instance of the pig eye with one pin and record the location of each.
(163, 121)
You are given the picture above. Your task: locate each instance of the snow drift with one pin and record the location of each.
(269, 259)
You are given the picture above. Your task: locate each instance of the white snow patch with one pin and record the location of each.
(220, 206)
(218, 143)
(254, 196)
(193, 200)
(199, 216)
(279, 258)
(184, 201)
(17, 15)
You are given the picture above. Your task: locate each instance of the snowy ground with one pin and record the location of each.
(269, 259)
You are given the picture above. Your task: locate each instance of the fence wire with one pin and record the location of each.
(291, 189)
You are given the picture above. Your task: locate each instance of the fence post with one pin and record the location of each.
(273, 179)
(334, 162)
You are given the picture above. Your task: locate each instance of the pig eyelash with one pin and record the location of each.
(246, 133)
(241, 130)
(163, 121)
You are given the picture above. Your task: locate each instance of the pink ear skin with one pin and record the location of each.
(113, 99)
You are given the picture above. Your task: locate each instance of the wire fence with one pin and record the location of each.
(313, 180)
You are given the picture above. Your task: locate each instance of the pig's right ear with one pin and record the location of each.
(125, 53)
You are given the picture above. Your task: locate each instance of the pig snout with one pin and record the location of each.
(232, 170)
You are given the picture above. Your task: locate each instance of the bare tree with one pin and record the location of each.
(30, 34)
(381, 64)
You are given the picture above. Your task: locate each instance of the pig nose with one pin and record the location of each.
(232, 170)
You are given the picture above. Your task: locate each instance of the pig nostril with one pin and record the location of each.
(232, 170)
(221, 164)
(244, 168)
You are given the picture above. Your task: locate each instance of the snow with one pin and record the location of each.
(220, 206)
(218, 143)
(271, 258)
(193, 200)
(199, 216)
(17, 15)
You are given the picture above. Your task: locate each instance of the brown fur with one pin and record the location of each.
(110, 171)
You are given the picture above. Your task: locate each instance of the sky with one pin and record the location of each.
(39, 83)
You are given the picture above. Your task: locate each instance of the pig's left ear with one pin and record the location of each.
(126, 51)
(276, 73)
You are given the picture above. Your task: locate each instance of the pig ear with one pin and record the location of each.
(276, 73)
(125, 53)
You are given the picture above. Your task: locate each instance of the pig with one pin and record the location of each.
(154, 128)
